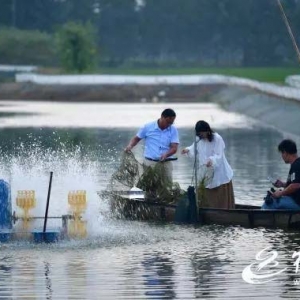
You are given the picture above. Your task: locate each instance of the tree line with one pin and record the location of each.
(180, 33)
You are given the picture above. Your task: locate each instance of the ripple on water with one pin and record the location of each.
(137, 260)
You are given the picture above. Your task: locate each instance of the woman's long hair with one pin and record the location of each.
(202, 126)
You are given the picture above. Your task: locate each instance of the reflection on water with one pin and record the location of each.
(158, 277)
(177, 262)
(134, 260)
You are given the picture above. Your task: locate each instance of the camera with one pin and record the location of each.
(269, 199)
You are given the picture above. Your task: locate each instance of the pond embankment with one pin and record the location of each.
(278, 112)
(277, 106)
(107, 92)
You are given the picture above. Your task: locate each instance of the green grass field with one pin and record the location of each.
(275, 75)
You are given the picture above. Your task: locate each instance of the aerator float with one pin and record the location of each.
(15, 226)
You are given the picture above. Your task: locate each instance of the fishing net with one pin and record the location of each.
(152, 180)
(127, 175)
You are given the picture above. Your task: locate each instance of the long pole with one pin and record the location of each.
(196, 179)
(196, 171)
(286, 21)
(48, 200)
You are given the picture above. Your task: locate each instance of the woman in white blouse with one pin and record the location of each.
(210, 146)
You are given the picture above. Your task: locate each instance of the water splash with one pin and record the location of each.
(28, 168)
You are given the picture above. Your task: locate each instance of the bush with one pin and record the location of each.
(26, 47)
(76, 46)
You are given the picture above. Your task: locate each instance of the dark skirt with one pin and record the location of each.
(219, 197)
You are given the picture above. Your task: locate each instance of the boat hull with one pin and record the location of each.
(251, 217)
(242, 215)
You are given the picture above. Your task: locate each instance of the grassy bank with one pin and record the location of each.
(274, 75)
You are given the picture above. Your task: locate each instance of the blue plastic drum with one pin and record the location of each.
(5, 205)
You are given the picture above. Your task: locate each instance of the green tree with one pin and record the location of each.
(76, 46)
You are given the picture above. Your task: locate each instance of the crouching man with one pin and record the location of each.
(289, 196)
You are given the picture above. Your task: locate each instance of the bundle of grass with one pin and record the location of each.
(205, 175)
(157, 185)
(152, 180)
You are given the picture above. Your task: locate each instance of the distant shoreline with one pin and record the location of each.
(117, 88)
(108, 93)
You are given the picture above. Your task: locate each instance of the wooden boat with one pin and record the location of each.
(248, 216)
(251, 216)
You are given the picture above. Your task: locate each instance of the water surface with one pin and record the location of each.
(82, 144)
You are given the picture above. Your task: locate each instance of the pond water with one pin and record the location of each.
(82, 144)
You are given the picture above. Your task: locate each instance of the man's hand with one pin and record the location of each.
(277, 194)
(128, 148)
(132, 143)
(278, 183)
(164, 157)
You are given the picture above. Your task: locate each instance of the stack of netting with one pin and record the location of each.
(152, 180)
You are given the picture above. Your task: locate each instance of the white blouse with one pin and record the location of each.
(213, 151)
